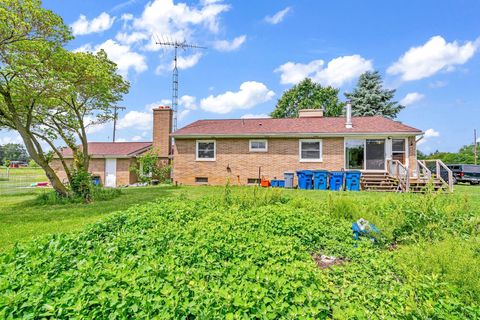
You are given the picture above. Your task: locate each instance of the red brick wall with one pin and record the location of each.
(162, 127)
(234, 161)
(97, 168)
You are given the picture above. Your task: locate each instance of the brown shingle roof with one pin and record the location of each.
(120, 149)
(294, 126)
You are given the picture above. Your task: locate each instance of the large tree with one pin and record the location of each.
(369, 98)
(308, 95)
(48, 94)
(22, 20)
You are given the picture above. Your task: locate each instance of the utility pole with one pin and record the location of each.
(176, 45)
(115, 116)
(475, 146)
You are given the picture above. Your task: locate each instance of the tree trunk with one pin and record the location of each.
(38, 157)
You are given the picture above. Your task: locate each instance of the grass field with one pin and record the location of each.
(19, 180)
(238, 253)
(21, 218)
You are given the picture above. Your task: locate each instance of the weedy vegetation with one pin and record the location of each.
(248, 253)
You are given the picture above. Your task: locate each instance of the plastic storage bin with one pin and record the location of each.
(289, 176)
(281, 183)
(352, 180)
(305, 179)
(320, 179)
(265, 183)
(336, 180)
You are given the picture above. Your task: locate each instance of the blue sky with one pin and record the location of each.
(428, 50)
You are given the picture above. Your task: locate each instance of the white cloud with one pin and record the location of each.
(255, 116)
(411, 98)
(91, 127)
(136, 138)
(183, 113)
(101, 23)
(433, 56)
(122, 55)
(225, 45)
(251, 93)
(136, 119)
(438, 84)
(183, 62)
(164, 17)
(120, 140)
(188, 102)
(429, 134)
(162, 102)
(338, 71)
(130, 38)
(277, 17)
(11, 139)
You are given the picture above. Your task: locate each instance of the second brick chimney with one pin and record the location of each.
(162, 127)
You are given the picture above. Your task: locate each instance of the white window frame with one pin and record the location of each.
(258, 150)
(404, 151)
(214, 150)
(300, 150)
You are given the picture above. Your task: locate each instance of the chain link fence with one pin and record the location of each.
(15, 180)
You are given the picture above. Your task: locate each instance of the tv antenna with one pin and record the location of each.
(176, 45)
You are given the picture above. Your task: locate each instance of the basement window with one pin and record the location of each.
(201, 180)
(253, 181)
(206, 150)
(310, 150)
(258, 146)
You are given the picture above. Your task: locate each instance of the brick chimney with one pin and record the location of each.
(162, 127)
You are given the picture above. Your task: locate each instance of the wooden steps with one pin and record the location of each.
(383, 182)
(379, 181)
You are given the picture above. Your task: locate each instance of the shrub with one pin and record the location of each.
(96, 194)
(81, 184)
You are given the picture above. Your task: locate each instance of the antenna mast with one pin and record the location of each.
(176, 45)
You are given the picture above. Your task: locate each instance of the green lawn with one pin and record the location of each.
(22, 219)
(19, 180)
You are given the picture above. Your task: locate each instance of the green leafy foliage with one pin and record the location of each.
(369, 98)
(96, 194)
(465, 155)
(308, 95)
(244, 254)
(148, 167)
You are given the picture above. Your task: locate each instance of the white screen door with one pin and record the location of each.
(110, 172)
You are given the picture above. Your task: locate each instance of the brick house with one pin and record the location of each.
(246, 150)
(111, 161)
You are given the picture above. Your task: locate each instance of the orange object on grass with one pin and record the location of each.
(265, 183)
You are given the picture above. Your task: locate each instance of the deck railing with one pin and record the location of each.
(397, 170)
(438, 167)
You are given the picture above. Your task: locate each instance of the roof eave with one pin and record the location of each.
(296, 135)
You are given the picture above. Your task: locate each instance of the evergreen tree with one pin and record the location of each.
(369, 98)
(308, 95)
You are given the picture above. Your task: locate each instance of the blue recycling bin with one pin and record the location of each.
(96, 180)
(305, 179)
(336, 180)
(281, 183)
(320, 179)
(352, 180)
(274, 183)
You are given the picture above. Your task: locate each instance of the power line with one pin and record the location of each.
(176, 45)
(115, 116)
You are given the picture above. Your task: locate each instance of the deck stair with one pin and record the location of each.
(397, 178)
(379, 181)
